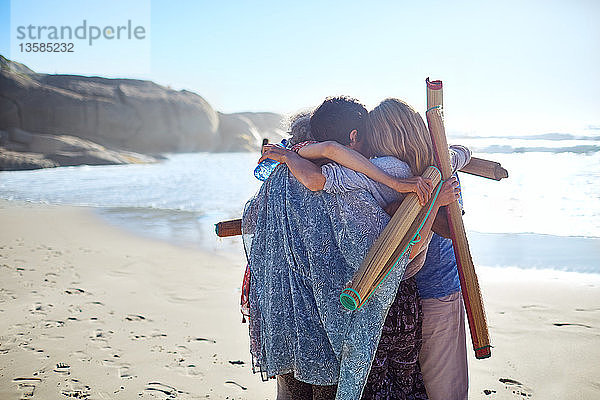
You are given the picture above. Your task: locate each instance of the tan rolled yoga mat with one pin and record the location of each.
(466, 270)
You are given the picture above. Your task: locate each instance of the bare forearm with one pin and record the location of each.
(440, 225)
(348, 158)
(306, 172)
(355, 161)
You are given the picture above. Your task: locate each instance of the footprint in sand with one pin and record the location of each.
(75, 291)
(184, 367)
(181, 364)
(588, 309)
(27, 386)
(81, 356)
(137, 337)
(183, 350)
(534, 306)
(123, 369)
(76, 390)
(200, 339)
(49, 279)
(39, 308)
(6, 295)
(180, 299)
(136, 317)
(101, 334)
(75, 394)
(567, 324)
(236, 384)
(22, 328)
(516, 387)
(125, 372)
(56, 253)
(93, 307)
(74, 308)
(63, 368)
(19, 274)
(193, 370)
(53, 337)
(170, 391)
(100, 338)
(157, 348)
(50, 323)
(39, 352)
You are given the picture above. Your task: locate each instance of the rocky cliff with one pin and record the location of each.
(20, 150)
(121, 114)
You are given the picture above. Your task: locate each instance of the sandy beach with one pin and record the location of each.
(90, 311)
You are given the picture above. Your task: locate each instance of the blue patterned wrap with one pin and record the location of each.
(303, 248)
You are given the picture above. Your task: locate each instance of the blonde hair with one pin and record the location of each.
(395, 129)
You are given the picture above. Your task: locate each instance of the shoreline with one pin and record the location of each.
(543, 253)
(93, 309)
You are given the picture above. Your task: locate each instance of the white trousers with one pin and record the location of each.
(443, 356)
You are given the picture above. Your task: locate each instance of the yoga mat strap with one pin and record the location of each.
(350, 299)
(483, 352)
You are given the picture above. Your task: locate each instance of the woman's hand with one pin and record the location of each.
(449, 192)
(276, 153)
(417, 184)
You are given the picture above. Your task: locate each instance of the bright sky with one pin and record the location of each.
(509, 67)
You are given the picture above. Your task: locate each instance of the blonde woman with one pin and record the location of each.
(443, 356)
(398, 138)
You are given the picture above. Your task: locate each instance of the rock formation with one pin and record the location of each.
(245, 131)
(117, 114)
(23, 150)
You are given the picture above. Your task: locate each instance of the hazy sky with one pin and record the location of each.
(513, 67)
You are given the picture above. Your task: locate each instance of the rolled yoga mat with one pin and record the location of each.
(376, 265)
(466, 270)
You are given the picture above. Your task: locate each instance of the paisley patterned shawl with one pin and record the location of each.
(303, 247)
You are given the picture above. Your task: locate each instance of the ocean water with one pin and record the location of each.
(546, 215)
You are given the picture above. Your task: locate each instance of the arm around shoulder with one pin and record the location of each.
(315, 151)
(308, 173)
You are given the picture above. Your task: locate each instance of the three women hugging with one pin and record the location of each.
(307, 231)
